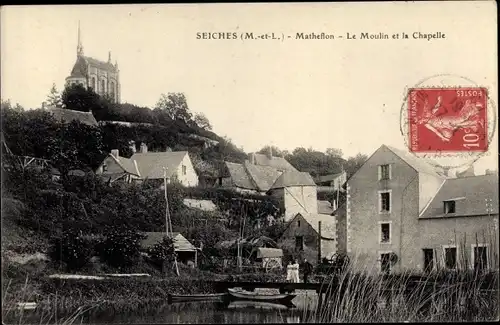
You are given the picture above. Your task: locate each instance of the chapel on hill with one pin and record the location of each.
(103, 77)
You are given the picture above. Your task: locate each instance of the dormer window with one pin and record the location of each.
(449, 207)
(104, 167)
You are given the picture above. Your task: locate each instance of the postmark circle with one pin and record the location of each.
(447, 159)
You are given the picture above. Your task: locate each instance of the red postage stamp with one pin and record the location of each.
(447, 119)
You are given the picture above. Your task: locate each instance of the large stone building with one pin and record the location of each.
(103, 77)
(405, 215)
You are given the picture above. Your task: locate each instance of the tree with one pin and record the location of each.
(77, 97)
(54, 98)
(175, 106)
(354, 163)
(202, 121)
(6, 104)
(334, 152)
(275, 150)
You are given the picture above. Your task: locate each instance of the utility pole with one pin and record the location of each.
(168, 223)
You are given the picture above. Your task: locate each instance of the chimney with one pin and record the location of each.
(270, 152)
(251, 157)
(115, 153)
(144, 148)
(132, 146)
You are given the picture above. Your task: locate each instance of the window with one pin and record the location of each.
(450, 257)
(184, 170)
(103, 86)
(480, 257)
(428, 259)
(384, 172)
(94, 83)
(299, 243)
(298, 223)
(449, 207)
(385, 262)
(385, 232)
(385, 201)
(112, 90)
(104, 167)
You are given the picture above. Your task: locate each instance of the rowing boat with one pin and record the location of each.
(281, 298)
(196, 297)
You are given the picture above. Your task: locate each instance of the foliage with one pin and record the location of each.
(175, 107)
(202, 121)
(79, 98)
(121, 247)
(162, 252)
(72, 248)
(54, 99)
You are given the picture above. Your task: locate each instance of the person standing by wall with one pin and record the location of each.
(308, 268)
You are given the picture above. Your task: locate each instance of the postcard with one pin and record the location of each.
(250, 162)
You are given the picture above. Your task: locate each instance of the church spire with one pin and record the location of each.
(109, 56)
(79, 48)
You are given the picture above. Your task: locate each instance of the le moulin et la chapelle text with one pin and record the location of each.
(319, 36)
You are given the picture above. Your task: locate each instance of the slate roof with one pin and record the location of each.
(279, 163)
(470, 194)
(67, 116)
(263, 176)
(293, 178)
(239, 176)
(325, 207)
(204, 205)
(263, 252)
(151, 163)
(181, 244)
(127, 164)
(329, 178)
(328, 229)
(80, 67)
(421, 165)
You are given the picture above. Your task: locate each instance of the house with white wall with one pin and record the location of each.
(178, 165)
(398, 204)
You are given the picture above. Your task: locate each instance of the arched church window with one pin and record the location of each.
(103, 86)
(112, 90)
(94, 83)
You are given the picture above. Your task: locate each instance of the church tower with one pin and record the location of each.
(103, 77)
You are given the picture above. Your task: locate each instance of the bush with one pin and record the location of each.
(72, 249)
(121, 247)
(162, 252)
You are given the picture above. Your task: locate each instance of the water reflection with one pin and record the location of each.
(191, 312)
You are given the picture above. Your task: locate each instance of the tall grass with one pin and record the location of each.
(362, 294)
(46, 311)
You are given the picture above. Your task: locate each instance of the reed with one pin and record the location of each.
(362, 294)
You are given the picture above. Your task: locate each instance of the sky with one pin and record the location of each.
(338, 93)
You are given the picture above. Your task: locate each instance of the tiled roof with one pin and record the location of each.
(327, 224)
(180, 242)
(421, 165)
(68, 115)
(279, 163)
(151, 163)
(293, 178)
(325, 207)
(470, 194)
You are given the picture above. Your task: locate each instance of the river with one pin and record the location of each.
(238, 312)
